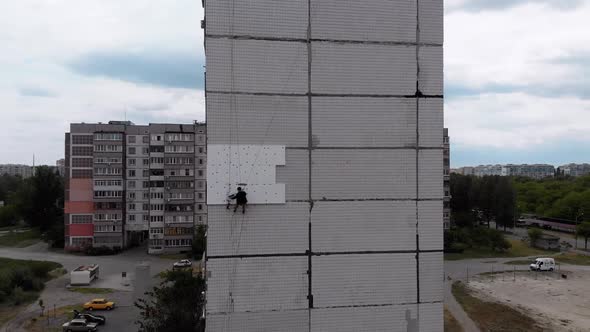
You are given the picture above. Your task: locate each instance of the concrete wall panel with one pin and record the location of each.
(397, 318)
(431, 70)
(363, 226)
(363, 69)
(258, 231)
(364, 20)
(431, 15)
(295, 175)
(356, 280)
(257, 284)
(258, 66)
(258, 120)
(364, 174)
(430, 174)
(261, 18)
(430, 225)
(431, 277)
(363, 122)
(269, 321)
(431, 122)
(431, 317)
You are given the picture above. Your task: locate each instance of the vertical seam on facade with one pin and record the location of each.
(418, 94)
(310, 147)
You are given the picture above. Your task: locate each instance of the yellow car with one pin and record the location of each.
(99, 304)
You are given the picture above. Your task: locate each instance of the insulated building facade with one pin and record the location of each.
(330, 115)
(447, 179)
(128, 183)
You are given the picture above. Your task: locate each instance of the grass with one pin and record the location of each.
(20, 239)
(84, 290)
(7, 309)
(518, 249)
(520, 262)
(492, 316)
(564, 258)
(451, 324)
(52, 320)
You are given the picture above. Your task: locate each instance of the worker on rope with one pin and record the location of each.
(240, 198)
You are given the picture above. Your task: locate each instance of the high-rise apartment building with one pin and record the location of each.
(128, 183)
(574, 170)
(60, 164)
(23, 171)
(447, 180)
(330, 115)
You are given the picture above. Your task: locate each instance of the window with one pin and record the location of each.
(81, 173)
(82, 151)
(81, 162)
(157, 207)
(108, 136)
(131, 217)
(157, 230)
(131, 150)
(200, 206)
(156, 218)
(131, 139)
(107, 171)
(200, 172)
(200, 150)
(108, 148)
(145, 139)
(82, 139)
(146, 195)
(130, 162)
(108, 193)
(107, 183)
(131, 206)
(145, 173)
(81, 219)
(105, 160)
(146, 218)
(156, 138)
(146, 184)
(131, 173)
(200, 195)
(130, 184)
(146, 207)
(131, 195)
(146, 162)
(145, 150)
(200, 161)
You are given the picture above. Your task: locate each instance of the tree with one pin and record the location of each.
(40, 199)
(534, 235)
(199, 242)
(175, 305)
(583, 230)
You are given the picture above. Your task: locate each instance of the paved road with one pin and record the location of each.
(120, 319)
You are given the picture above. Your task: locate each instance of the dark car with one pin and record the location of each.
(91, 318)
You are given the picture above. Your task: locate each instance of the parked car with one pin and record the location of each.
(99, 304)
(543, 264)
(78, 324)
(183, 263)
(98, 319)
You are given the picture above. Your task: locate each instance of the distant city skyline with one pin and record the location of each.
(505, 102)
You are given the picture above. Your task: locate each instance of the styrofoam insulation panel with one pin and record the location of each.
(257, 120)
(431, 70)
(260, 18)
(372, 279)
(397, 318)
(364, 122)
(431, 122)
(431, 14)
(431, 317)
(431, 277)
(256, 284)
(363, 226)
(364, 174)
(266, 321)
(430, 226)
(376, 20)
(430, 165)
(230, 166)
(258, 231)
(363, 69)
(258, 66)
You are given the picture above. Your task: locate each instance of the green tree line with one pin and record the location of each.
(37, 201)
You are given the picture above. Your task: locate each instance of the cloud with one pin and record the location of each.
(516, 121)
(482, 5)
(34, 91)
(169, 70)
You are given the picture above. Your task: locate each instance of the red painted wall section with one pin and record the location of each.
(81, 190)
(81, 230)
(78, 207)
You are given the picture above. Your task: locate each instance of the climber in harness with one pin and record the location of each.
(240, 198)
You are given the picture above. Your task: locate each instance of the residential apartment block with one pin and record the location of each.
(330, 115)
(23, 171)
(535, 171)
(574, 170)
(128, 183)
(447, 180)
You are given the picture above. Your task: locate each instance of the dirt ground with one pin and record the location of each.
(562, 303)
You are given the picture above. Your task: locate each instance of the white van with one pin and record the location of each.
(543, 264)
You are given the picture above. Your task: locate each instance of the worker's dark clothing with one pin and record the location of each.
(240, 197)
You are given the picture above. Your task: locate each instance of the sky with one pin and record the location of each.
(517, 74)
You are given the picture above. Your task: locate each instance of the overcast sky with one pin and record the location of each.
(517, 74)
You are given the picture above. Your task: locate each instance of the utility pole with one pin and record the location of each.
(578, 215)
